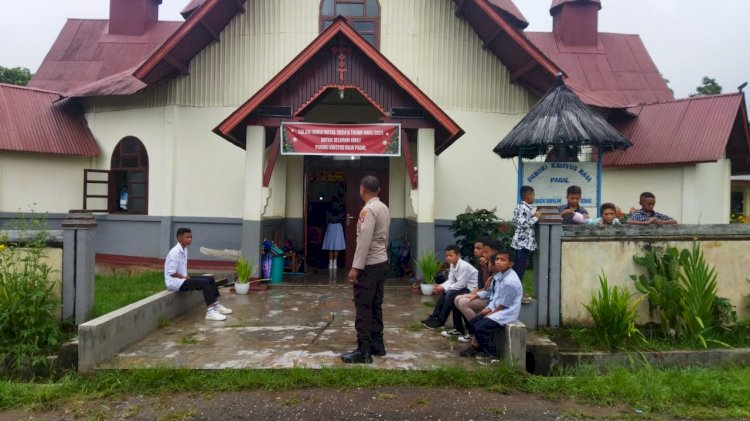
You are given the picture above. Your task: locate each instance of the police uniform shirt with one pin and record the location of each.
(372, 234)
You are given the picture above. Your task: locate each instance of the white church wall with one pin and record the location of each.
(41, 182)
(470, 174)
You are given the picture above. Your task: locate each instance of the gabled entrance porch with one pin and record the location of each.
(339, 78)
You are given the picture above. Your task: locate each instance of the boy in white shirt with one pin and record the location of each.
(463, 277)
(176, 278)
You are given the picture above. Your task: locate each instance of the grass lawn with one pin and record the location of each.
(113, 292)
(693, 392)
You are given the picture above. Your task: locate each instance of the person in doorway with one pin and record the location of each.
(176, 277)
(334, 241)
(646, 215)
(504, 307)
(524, 240)
(569, 210)
(368, 272)
(462, 278)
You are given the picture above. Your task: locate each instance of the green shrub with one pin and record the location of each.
(245, 268)
(697, 296)
(475, 224)
(661, 284)
(614, 315)
(429, 266)
(28, 303)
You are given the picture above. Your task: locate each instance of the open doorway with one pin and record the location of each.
(332, 197)
(326, 193)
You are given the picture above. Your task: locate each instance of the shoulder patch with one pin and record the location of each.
(362, 215)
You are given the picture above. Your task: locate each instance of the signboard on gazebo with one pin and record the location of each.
(341, 139)
(550, 181)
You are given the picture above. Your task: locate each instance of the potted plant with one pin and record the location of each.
(428, 265)
(244, 268)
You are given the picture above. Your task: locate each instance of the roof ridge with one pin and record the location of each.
(28, 88)
(686, 99)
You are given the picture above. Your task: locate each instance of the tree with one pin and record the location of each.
(667, 82)
(709, 87)
(15, 76)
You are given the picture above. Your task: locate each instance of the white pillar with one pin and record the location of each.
(425, 196)
(253, 203)
(167, 177)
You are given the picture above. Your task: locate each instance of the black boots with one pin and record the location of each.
(377, 347)
(361, 355)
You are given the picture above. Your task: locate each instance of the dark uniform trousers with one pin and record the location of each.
(205, 284)
(368, 300)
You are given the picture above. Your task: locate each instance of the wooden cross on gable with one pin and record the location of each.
(342, 52)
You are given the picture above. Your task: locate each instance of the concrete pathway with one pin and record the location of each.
(298, 325)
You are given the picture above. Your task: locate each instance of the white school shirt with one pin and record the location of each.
(176, 262)
(509, 292)
(461, 275)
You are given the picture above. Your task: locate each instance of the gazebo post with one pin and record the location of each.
(520, 175)
(599, 159)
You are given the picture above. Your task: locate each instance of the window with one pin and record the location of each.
(362, 15)
(128, 181)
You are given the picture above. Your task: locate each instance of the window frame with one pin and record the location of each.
(119, 174)
(322, 19)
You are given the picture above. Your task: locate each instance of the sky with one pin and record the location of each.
(686, 39)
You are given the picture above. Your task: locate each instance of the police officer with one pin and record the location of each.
(368, 273)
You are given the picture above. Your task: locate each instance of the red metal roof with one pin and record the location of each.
(509, 11)
(123, 83)
(447, 131)
(689, 130)
(619, 71)
(84, 52)
(528, 64)
(202, 28)
(32, 120)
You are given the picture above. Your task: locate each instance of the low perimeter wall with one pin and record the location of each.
(104, 336)
(589, 250)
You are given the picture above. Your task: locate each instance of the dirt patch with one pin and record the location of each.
(387, 403)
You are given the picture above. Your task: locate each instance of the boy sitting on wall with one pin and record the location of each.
(461, 279)
(504, 307)
(176, 277)
(646, 215)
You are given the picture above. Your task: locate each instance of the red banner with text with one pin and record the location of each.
(341, 139)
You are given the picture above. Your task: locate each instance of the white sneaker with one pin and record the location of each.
(464, 338)
(215, 316)
(449, 333)
(221, 309)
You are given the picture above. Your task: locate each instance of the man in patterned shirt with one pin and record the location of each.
(646, 214)
(524, 218)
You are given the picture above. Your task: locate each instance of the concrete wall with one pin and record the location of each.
(33, 181)
(587, 251)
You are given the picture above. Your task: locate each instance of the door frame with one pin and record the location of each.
(384, 178)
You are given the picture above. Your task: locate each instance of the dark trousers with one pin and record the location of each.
(368, 301)
(522, 261)
(484, 328)
(445, 304)
(207, 284)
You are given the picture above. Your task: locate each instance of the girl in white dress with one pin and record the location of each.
(334, 241)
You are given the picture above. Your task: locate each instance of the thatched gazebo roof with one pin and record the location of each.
(559, 119)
